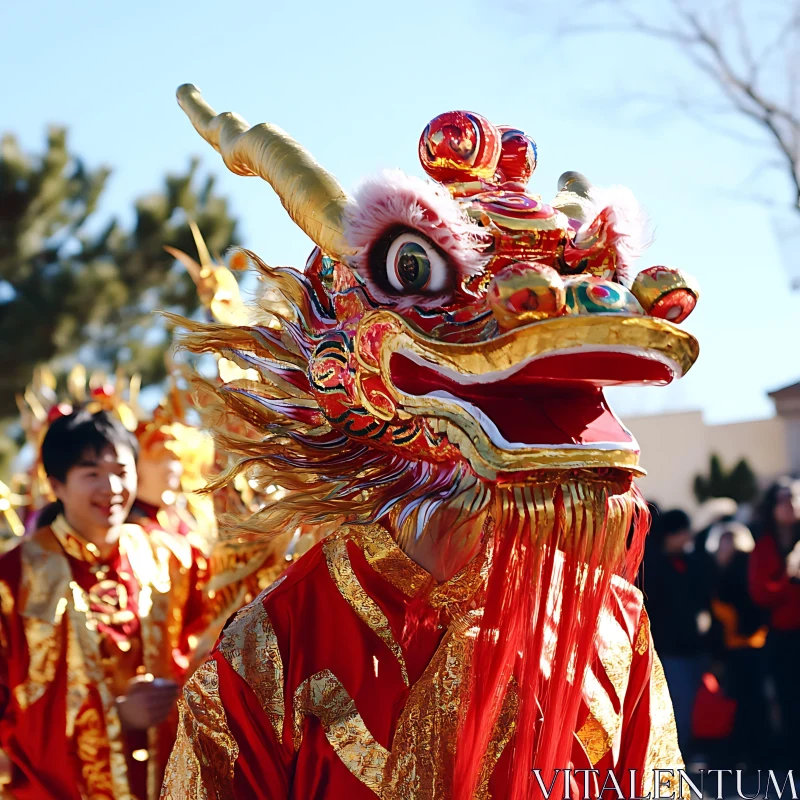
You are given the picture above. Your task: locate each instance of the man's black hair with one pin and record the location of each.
(78, 434)
(674, 521)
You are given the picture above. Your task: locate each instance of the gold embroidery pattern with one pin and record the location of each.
(44, 583)
(73, 543)
(84, 677)
(391, 563)
(49, 593)
(643, 634)
(250, 646)
(6, 610)
(323, 696)
(202, 761)
(342, 574)
(387, 559)
(598, 733)
(423, 750)
(603, 724)
(662, 751)
(92, 752)
(503, 731)
(44, 648)
(595, 739)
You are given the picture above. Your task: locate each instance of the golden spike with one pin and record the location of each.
(134, 388)
(76, 383)
(192, 267)
(45, 377)
(7, 509)
(120, 379)
(313, 198)
(199, 242)
(35, 406)
(97, 379)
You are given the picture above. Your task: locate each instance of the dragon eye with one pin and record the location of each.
(414, 266)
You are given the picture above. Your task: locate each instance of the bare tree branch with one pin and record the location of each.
(733, 69)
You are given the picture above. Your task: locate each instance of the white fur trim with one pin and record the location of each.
(626, 228)
(393, 198)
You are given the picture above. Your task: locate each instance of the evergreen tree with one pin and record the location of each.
(739, 484)
(72, 288)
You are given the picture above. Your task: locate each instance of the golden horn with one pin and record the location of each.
(312, 196)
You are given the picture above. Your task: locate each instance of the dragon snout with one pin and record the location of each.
(526, 292)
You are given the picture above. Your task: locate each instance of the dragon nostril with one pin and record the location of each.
(667, 293)
(523, 292)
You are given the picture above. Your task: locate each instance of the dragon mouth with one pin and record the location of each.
(533, 398)
(550, 402)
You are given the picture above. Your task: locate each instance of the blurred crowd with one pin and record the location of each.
(723, 596)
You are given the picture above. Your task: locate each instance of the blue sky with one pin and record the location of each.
(356, 82)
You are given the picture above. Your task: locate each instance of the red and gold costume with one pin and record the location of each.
(283, 710)
(74, 629)
(432, 386)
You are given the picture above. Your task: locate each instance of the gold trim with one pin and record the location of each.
(595, 739)
(86, 671)
(423, 756)
(602, 717)
(323, 696)
(44, 588)
(250, 645)
(643, 634)
(537, 339)
(384, 555)
(73, 543)
(202, 762)
(662, 748)
(367, 610)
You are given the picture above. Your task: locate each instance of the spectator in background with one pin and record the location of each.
(774, 579)
(707, 515)
(677, 599)
(742, 636)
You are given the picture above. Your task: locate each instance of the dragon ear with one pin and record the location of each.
(397, 218)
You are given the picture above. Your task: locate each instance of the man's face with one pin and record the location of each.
(99, 490)
(160, 471)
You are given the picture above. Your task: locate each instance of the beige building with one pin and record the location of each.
(676, 447)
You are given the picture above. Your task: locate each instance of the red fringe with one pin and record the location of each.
(512, 640)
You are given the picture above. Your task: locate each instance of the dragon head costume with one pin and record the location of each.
(439, 366)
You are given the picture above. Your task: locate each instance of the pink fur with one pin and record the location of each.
(625, 227)
(393, 198)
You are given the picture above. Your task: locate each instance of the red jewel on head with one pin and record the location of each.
(459, 146)
(58, 410)
(106, 390)
(518, 155)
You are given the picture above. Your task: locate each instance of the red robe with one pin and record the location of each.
(772, 588)
(317, 689)
(74, 629)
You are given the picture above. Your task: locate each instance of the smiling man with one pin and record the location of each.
(92, 612)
